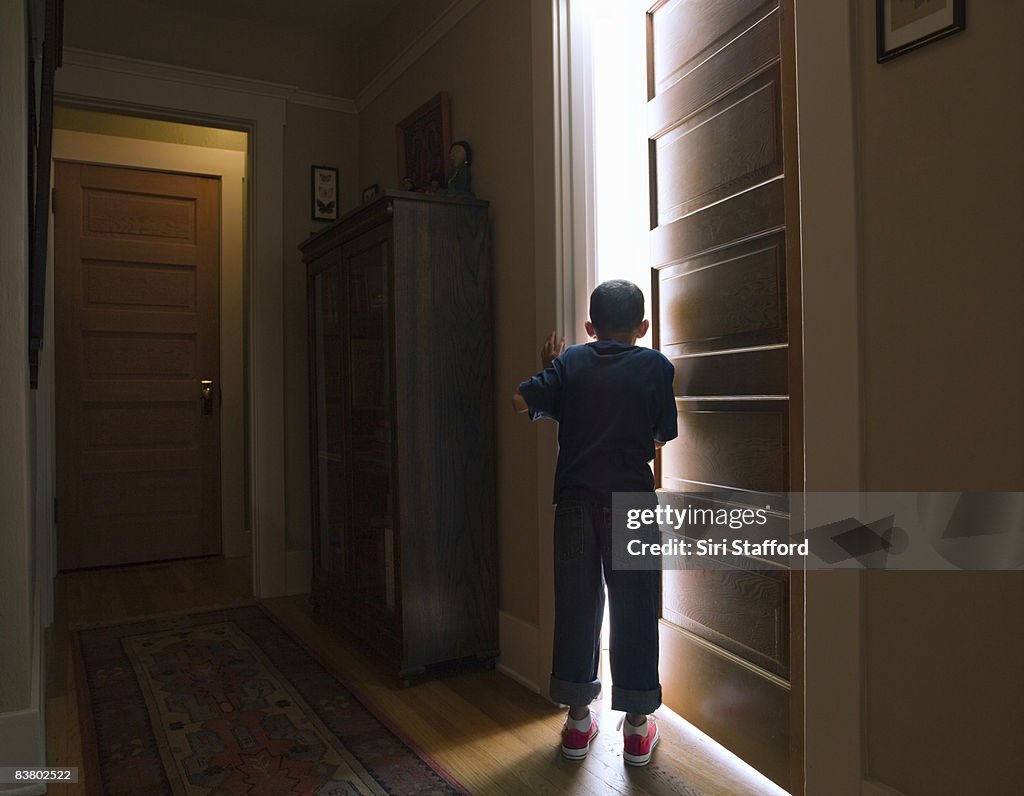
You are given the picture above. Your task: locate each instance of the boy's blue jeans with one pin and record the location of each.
(583, 565)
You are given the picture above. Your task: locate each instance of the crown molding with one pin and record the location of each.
(326, 101)
(118, 64)
(430, 36)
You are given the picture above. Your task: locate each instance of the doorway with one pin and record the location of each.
(186, 151)
(694, 145)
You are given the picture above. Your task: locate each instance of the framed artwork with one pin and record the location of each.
(370, 191)
(324, 189)
(424, 137)
(905, 25)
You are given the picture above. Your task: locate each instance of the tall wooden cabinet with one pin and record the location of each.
(402, 403)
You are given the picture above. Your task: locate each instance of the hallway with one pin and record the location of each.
(494, 735)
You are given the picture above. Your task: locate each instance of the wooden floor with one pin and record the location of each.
(496, 736)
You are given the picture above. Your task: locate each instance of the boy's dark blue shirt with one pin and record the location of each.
(611, 401)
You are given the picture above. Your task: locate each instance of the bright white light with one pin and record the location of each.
(622, 217)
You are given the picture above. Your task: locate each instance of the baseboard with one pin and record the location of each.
(22, 744)
(518, 640)
(23, 732)
(298, 565)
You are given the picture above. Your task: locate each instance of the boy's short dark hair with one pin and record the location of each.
(616, 306)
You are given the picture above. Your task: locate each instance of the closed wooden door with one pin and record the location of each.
(136, 315)
(726, 295)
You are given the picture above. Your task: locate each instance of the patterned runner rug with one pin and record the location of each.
(228, 702)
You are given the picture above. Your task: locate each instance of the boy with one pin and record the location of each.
(614, 405)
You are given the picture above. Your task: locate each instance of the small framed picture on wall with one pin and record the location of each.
(324, 189)
(370, 191)
(905, 25)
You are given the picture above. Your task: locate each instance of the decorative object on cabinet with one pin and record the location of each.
(423, 138)
(905, 25)
(403, 486)
(324, 185)
(460, 158)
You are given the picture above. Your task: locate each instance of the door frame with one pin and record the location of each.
(120, 85)
(831, 349)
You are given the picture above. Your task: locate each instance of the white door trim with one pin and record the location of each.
(188, 96)
(833, 684)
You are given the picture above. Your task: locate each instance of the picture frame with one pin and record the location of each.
(324, 193)
(423, 138)
(370, 191)
(905, 25)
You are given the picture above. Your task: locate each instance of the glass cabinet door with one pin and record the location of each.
(330, 374)
(371, 538)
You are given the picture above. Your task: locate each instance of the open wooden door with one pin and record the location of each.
(725, 254)
(137, 307)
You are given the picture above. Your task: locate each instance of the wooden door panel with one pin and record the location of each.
(750, 705)
(138, 285)
(725, 274)
(733, 298)
(683, 33)
(138, 355)
(152, 426)
(729, 448)
(739, 138)
(122, 321)
(755, 50)
(741, 611)
(137, 311)
(138, 390)
(136, 251)
(108, 212)
(760, 372)
(753, 213)
(139, 495)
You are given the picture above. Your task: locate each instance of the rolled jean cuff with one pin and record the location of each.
(636, 701)
(573, 694)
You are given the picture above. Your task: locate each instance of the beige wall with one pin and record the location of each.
(312, 58)
(940, 168)
(401, 27)
(488, 78)
(17, 586)
(312, 137)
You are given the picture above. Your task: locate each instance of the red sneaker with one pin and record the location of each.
(576, 737)
(639, 742)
